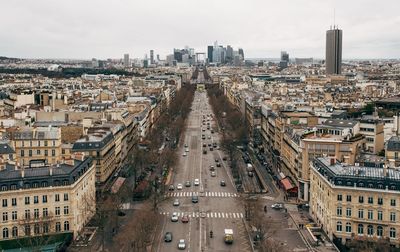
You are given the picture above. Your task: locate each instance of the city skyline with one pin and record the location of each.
(58, 30)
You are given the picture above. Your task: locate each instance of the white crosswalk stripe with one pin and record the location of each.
(206, 194)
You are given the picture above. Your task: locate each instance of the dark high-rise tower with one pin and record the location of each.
(151, 56)
(210, 53)
(241, 53)
(333, 51)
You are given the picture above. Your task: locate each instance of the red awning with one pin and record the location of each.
(286, 184)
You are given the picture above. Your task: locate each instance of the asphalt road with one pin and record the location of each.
(218, 207)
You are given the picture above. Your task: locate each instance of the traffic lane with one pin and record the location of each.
(179, 231)
(218, 226)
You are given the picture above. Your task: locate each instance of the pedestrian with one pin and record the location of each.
(265, 208)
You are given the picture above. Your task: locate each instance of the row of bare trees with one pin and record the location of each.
(231, 120)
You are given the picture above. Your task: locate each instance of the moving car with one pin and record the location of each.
(213, 174)
(181, 244)
(218, 164)
(186, 149)
(168, 237)
(186, 145)
(185, 219)
(179, 187)
(176, 202)
(171, 187)
(174, 217)
(222, 183)
(204, 151)
(212, 168)
(224, 158)
(277, 206)
(184, 154)
(195, 199)
(250, 173)
(188, 183)
(196, 182)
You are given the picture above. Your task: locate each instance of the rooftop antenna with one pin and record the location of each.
(334, 17)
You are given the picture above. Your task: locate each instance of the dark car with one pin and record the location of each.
(168, 237)
(222, 183)
(204, 152)
(195, 199)
(171, 187)
(224, 158)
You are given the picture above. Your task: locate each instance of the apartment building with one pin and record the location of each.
(46, 200)
(32, 144)
(355, 203)
(100, 146)
(373, 129)
(392, 152)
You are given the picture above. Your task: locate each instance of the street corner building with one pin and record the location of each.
(355, 204)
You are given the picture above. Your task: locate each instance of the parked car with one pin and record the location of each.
(171, 187)
(224, 158)
(168, 237)
(174, 217)
(218, 164)
(212, 168)
(277, 206)
(251, 174)
(204, 151)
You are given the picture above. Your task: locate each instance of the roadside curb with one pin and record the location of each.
(248, 233)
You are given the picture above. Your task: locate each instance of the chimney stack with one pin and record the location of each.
(333, 161)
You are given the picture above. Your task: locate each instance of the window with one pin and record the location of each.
(392, 233)
(27, 214)
(339, 197)
(370, 214)
(57, 197)
(361, 213)
(339, 226)
(45, 212)
(4, 202)
(36, 228)
(339, 211)
(30, 153)
(44, 198)
(65, 196)
(45, 228)
(348, 198)
(380, 201)
(380, 215)
(370, 200)
(45, 143)
(360, 199)
(46, 153)
(14, 201)
(348, 212)
(38, 152)
(66, 210)
(35, 199)
(360, 229)
(5, 232)
(392, 216)
(53, 153)
(27, 230)
(36, 213)
(393, 202)
(14, 215)
(5, 216)
(22, 153)
(379, 231)
(66, 225)
(370, 230)
(14, 232)
(348, 227)
(58, 226)
(57, 210)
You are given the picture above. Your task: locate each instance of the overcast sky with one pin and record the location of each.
(107, 29)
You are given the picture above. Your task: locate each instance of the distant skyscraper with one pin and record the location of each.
(229, 54)
(126, 60)
(151, 56)
(284, 56)
(210, 53)
(241, 53)
(158, 57)
(333, 51)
